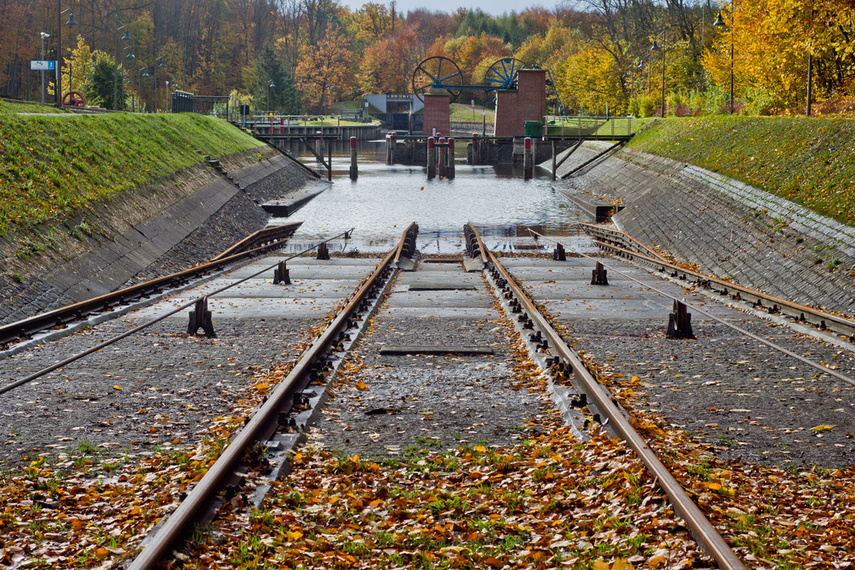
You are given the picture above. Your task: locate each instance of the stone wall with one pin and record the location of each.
(728, 229)
(105, 246)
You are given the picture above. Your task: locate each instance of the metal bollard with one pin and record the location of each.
(527, 162)
(680, 322)
(558, 254)
(599, 275)
(450, 164)
(323, 252)
(200, 318)
(281, 275)
(431, 159)
(354, 169)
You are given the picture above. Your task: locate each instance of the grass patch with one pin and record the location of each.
(461, 113)
(52, 166)
(807, 161)
(10, 106)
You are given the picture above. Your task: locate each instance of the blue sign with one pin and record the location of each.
(43, 65)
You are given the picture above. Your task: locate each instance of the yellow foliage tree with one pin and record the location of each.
(323, 70)
(590, 81)
(77, 70)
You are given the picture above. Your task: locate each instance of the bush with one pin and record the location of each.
(642, 106)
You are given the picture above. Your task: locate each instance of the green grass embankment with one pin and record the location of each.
(808, 161)
(51, 166)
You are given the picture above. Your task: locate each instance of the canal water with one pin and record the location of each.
(384, 200)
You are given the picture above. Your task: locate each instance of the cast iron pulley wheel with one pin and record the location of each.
(437, 73)
(503, 73)
(74, 99)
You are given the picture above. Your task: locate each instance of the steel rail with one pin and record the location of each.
(260, 427)
(113, 340)
(703, 531)
(774, 304)
(270, 238)
(815, 365)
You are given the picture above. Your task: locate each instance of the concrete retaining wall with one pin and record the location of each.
(726, 228)
(127, 234)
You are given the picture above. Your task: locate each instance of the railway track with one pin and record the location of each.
(258, 243)
(620, 244)
(293, 403)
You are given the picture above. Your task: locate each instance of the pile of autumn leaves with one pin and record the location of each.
(549, 502)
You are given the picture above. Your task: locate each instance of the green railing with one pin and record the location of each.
(592, 127)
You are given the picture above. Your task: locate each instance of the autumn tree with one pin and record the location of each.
(324, 70)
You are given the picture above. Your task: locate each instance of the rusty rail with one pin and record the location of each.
(258, 243)
(704, 533)
(798, 312)
(199, 302)
(262, 425)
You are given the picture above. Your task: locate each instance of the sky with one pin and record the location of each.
(494, 7)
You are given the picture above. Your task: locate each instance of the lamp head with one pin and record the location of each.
(655, 46)
(131, 54)
(44, 35)
(127, 37)
(71, 21)
(719, 21)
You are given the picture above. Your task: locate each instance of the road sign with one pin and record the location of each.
(42, 65)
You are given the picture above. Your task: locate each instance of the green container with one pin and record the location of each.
(533, 128)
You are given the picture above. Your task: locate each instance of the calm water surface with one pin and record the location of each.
(386, 199)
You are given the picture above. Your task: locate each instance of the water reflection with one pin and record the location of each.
(386, 199)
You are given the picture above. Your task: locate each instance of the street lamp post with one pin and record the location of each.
(269, 85)
(43, 35)
(719, 23)
(158, 62)
(143, 72)
(125, 38)
(655, 48)
(71, 22)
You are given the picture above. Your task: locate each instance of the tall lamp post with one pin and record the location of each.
(143, 72)
(43, 35)
(71, 22)
(656, 47)
(269, 85)
(719, 23)
(125, 38)
(158, 62)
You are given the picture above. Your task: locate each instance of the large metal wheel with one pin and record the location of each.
(503, 73)
(437, 73)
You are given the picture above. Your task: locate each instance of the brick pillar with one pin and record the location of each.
(527, 103)
(508, 123)
(437, 114)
